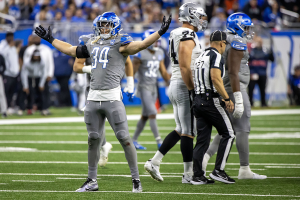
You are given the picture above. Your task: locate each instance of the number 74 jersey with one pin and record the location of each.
(176, 36)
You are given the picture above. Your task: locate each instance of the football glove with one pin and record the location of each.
(239, 106)
(165, 25)
(45, 34)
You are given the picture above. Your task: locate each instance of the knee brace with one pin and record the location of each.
(122, 134)
(93, 139)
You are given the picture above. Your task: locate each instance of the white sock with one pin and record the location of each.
(157, 158)
(245, 168)
(188, 167)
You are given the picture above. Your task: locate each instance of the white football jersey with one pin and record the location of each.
(177, 35)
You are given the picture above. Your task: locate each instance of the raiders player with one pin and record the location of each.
(184, 48)
(109, 51)
(236, 80)
(146, 63)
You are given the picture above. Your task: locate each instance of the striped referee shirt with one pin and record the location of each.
(210, 58)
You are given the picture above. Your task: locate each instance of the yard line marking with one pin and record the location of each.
(3, 183)
(283, 167)
(176, 193)
(32, 181)
(32, 150)
(116, 142)
(125, 163)
(72, 178)
(108, 128)
(134, 117)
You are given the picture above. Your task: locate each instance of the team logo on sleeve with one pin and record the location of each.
(112, 42)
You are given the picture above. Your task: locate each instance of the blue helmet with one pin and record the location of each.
(96, 31)
(240, 24)
(108, 20)
(146, 34)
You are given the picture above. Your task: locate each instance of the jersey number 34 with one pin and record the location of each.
(102, 58)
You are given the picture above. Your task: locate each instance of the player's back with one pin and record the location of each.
(176, 36)
(147, 72)
(238, 43)
(108, 64)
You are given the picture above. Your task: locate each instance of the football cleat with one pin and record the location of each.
(186, 178)
(153, 170)
(201, 180)
(88, 186)
(104, 150)
(136, 186)
(246, 173)
(221, 176)
(138, 146)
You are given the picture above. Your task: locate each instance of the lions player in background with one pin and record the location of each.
(236, 80)
(146, 63)
(184, 48)
(109, 51)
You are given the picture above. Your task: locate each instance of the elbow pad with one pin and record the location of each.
(82, 52)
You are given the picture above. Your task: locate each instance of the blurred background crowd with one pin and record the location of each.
(25, 89)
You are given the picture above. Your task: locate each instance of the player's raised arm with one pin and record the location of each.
(61, 46)
(134, 47)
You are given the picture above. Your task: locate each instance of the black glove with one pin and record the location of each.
(42, 33)
(192, 95)
(165, 25)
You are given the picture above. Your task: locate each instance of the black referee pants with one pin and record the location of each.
(210, 113)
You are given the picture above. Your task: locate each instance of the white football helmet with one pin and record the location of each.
(193, 13)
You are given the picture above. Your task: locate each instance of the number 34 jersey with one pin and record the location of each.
(108, 64)
(147, 72)
(176, 36)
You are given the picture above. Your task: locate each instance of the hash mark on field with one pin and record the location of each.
(182, 193)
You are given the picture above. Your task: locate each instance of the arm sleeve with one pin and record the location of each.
(239, 43)
(82, 51)
(24, 76)
(216, 60)
(44, 75)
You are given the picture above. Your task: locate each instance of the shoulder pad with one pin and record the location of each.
(126, 39)
(84, 38)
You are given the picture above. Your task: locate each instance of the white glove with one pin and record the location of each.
(87, 69)
(239, 106)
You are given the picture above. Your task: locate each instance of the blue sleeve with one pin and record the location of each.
(126, 39)
(238, 45)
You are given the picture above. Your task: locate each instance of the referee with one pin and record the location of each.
(210, 111)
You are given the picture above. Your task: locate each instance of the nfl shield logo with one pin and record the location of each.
(112, 42)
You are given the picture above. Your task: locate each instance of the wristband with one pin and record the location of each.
(87, 69)
(227, 99)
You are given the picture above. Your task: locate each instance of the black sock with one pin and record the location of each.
(169, 142)
(186, 147)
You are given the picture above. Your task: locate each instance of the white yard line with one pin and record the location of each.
(73, 178)
(283, 167)
(3, 183)
(33, 150)
(172, 193)
(32, 181)
(134, 117)
(140, 163)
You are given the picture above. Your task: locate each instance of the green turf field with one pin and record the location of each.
(53, 163)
